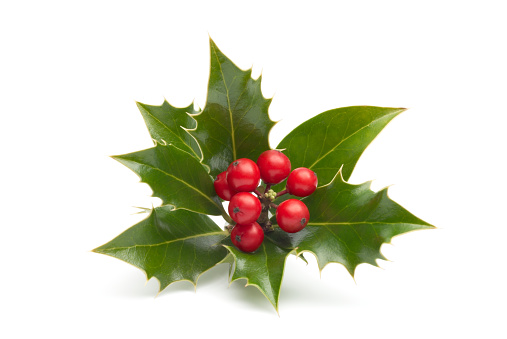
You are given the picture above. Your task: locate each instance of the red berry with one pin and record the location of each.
(274, 166)
(292, 215)
(302, 182)
(247, 237)
(243, 175)
(222, 187)
(244, 208)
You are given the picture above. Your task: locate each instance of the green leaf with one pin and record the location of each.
(263, 269)
(334, 138)
(348, 224)
(175, 177)
(234, 123)
(170, 245)
(168, 125)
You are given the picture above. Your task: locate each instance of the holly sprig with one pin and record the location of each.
(178, 241)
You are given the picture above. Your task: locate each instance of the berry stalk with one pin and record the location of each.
(281, 193)
(263, 220)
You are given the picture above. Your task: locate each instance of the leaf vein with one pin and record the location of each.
(348, 137)
(168, 129)
(182, 181)
(228, 104)
(168, 241)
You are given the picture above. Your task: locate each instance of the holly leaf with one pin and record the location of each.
(235, 122)
(263, 269)
(170, 245)
(348, 224)
(334, 139)
(168, 125)
(175, 177)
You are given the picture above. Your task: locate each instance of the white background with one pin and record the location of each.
(70, 74)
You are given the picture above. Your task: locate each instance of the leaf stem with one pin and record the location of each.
(256, 191)
(226, 216)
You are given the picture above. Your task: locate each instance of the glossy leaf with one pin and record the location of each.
(167, 125)
(263, 269)
(348, 224)
(175, 177)
(170, 245)
(334, 138)
(234, 123)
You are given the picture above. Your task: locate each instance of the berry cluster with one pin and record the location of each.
(250, 212)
